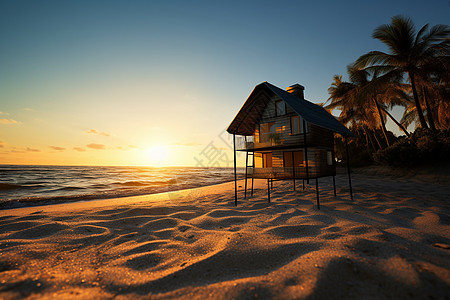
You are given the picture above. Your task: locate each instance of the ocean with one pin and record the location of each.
(38, 185)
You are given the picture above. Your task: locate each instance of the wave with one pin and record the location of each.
(133, 183)
(69, 188)
(37, 201)
(37, 185)
(9, 186)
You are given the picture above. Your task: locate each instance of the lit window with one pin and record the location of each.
(280, 108)
(258, 160)
(267, 160)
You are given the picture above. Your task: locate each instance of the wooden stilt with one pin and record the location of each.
(306, 151)
(235, 174)
(303, 184)
(293, 170)
(348, 169)
(253, 174)
(268, 190)
(271, 184)
(334, 185)
(246, 168)
(317, 192)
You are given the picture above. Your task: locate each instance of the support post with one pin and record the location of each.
(293, 169)
(253, 174)
(235, 174)
(271, 184)
(317, 192)
(334, 185)
(303, 184)
(246, 168)
(348, 168)
(306, 151)
(268, 190)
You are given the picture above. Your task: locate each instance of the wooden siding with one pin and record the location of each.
(319, 142)
(316, 136)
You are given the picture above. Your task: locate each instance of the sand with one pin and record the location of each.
(391, 242)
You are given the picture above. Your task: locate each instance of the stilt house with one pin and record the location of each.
(286, 136)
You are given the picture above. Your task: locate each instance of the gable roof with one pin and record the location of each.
(250, 113)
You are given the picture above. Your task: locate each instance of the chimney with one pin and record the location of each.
(297, 90)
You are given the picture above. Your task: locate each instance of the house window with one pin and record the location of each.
(258, 160)
(297, 125)
(256, 138)
(298, 158)
(267, 160)
(266, 130)
(329, 158)
(280, 108)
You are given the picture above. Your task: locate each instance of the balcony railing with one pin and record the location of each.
(266, 140)
(280, 172)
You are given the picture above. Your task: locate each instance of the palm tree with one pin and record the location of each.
(370, 96)
(409, 52)
(435, 83)
(435, 91)
(345, 96)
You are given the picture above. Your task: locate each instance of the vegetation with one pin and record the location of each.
(414, 74)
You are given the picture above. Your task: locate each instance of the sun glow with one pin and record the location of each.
(157, 155)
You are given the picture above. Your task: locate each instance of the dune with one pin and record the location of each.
(391, 241)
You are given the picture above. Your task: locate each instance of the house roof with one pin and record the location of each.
(250, 113)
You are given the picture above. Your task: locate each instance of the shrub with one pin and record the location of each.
(423, 147)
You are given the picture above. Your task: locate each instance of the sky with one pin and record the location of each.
(156, 83)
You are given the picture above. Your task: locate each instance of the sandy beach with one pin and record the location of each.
(391, 242)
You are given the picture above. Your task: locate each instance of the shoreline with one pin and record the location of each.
(112, 201)
(432, 174)
(56, 200)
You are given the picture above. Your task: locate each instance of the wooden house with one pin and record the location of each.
(285, 136)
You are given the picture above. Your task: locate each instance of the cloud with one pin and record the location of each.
(8, 121)
(127, 148)
(96, 146)
(16, 150)
(28, 109)
(32, 150)
(2, 144)
(57, 148)
(187, 144)
(93, 131)
(4, 113)
(79, 149)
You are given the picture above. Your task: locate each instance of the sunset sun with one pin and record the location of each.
(157, 155)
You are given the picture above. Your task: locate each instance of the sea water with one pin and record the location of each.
(33, 185)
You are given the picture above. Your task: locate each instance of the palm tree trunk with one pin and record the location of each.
(423, 123)
(397, 123)
(369, 139)
(383, 126)
(429, 111)
(376, 139)
(367, 142)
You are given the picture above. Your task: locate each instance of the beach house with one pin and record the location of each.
(285, 136)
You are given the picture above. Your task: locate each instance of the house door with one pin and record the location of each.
(267, 160)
